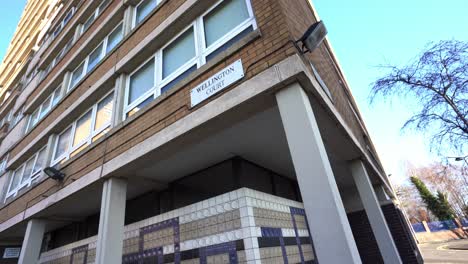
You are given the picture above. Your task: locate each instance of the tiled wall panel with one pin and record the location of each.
(243, 226)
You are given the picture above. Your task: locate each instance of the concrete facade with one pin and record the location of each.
(138, 157)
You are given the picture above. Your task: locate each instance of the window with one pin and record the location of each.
(27, 172)
(64, 22)
(82, 129)
(86, 129)
(95, 15)
(114, 38)
(180, 52)
(43, 109)
(141, 81)
(144, 8)
(3, 163)
(62, 143)
(77, 74)
(93, 59)
(104, 113)
(17, 117)
(206, 37)
(220, 21)
(57, 58)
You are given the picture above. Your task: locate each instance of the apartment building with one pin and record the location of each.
(187, 131)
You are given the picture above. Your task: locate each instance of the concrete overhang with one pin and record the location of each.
(243, 122)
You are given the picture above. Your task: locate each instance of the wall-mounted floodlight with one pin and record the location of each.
(55, 174)
(313, 37)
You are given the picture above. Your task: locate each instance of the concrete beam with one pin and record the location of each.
(328, 223)
(379, 225)
(111, 222)
(32, 242)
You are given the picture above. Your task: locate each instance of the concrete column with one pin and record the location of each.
(111, 222)
(32, 242)
(379, 225)
(329, 226)
(119, 95)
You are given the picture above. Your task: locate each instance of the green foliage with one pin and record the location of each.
(438, 205)
(446, 211)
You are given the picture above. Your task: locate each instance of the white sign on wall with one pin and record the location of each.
(11, 252)
(217, 82)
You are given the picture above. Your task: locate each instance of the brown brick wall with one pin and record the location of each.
(279, 21)
(272, 47)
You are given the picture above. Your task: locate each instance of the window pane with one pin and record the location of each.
(103, 5)
(94, 58)
(221, 19)
(41, 159)
(178, 53)
(104, 112)
(114, 38)
(27, 170)
(144, 9)
(83, 128)
(45, 107)
(68, 16)
(88, 23)
(57, 96)
(34, 117)
(63, 143)
(57, 30)
(141, 82)
(16, 178)
(77, 74)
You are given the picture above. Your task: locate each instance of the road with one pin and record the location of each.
(442, 252)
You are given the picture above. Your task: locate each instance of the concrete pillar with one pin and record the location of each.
(32, 242)
(111, 222)
(379, 225)
(119, 101)
(328, 222)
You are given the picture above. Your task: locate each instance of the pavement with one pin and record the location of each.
(455, 251)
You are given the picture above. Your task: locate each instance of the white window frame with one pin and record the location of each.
(3, 164)
(85, 62)
(32, 177)
(201, 53)
(63, 23)
(89, 139)
(134, 21)
(57, 58)
(32, 123)
(95, 15)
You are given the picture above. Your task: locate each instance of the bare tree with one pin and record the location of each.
(411, 202)
(437, 80)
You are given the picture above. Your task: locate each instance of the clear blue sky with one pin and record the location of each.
(367, 33)
(364, 33)
(10, 14)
